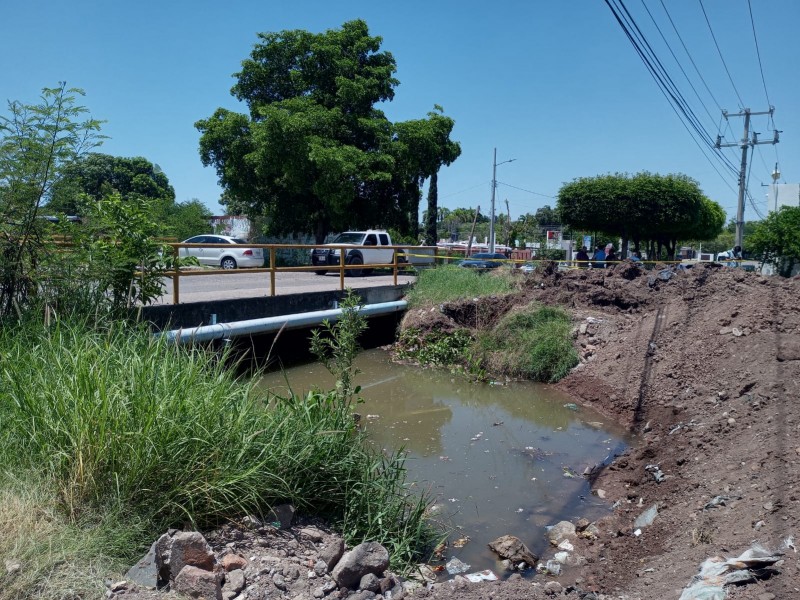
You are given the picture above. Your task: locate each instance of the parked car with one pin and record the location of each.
(528, 267)
(237, 255)
(484, 260)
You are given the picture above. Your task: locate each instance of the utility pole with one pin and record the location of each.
(494, 188)
(745, 143)
(472, 231)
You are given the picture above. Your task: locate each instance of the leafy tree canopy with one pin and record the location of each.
(315, 154)
(644, 207)
(777, 239)
(99, 175)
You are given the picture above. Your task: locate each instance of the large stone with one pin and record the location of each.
(150, 571)
(234, 581)
(561, 531)
(282, 516)
(231, 562)
(513, 549)
(332, 552)
(369, 557)
(198, 583)
(189, 548)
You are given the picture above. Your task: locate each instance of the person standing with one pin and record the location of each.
(582, 257)
(610, 255)
(599, 258)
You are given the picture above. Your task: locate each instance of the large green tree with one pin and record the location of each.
(315, 154)
(646, 207)
(776, 239)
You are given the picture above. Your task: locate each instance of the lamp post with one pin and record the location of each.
(494, 188)
(776, 174)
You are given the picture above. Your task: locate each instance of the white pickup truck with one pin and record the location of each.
(371, 247)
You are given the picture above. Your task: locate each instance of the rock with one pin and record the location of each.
(198, 583)
(369, 557)
(789, 349)
(370, 582)
(282, 516)
(581, 525)
(512, 548)
(189, 548)
(231, 562)
(561, 531)
(320, 568)
(553, 588)
(601, 494)
(279, 582)
(150, 571)
(234, 581)
(312, 533)
(332, 552)
(252, 522)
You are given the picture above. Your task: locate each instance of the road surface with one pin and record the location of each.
(246, 284)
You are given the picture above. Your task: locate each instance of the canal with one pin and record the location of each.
(496, 459)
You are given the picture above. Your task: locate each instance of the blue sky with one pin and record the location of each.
(554, 85)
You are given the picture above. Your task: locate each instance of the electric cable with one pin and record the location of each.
(758, 53)
(524, 190)
(724, 64)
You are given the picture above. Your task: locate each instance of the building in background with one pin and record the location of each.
(782, 194)
(231, 225)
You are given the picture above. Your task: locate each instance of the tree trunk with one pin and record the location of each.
(431, 236)
(320, 232)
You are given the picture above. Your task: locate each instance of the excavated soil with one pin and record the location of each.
(703, 365)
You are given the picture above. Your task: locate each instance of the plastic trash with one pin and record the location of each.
(455, 566)
(647, 517)
(658, 475)
(720, 501)
(717, 572)
(485, 575)
(571, 406)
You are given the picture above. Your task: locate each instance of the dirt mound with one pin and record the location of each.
(704, 365)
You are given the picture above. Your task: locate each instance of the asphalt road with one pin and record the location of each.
(246, 284)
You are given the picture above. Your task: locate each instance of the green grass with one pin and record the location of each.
(534, 343)
(447, 283)
(132, 435)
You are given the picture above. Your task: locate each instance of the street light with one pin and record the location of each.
(494, 187)
(776, 174)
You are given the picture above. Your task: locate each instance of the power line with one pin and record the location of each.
(665, 83)
(689, 81)
(741, 102)
(689, 55)
(758, 53)
(465, 190)
(524, 190)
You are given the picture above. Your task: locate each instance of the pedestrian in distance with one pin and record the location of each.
(610, 255)
(599, 258)
(583, 258)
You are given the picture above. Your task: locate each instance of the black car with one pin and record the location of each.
(484, 260)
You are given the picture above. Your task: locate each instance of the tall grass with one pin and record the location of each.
(447, 283)
(126, 430)
(534, 343)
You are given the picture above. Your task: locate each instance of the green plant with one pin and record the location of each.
(534, 343)
(37, 142)
(450, 282)
(336, 345)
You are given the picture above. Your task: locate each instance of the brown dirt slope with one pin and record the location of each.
(705, 369)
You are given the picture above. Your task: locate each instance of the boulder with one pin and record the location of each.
(151, 571)
(231, 562)
(198, 583)
(512, 548)
(369, 557)
(189, 548)
(332, 552)
(234, 581)
(282, 516)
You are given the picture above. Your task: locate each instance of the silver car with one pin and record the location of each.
(237, 255)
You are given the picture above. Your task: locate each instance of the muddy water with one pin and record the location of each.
(497, 459)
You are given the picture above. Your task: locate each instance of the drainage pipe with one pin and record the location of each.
(205, 333)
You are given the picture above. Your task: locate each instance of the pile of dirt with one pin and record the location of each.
(703, 365)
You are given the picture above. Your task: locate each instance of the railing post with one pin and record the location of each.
(395, 265)
(341, 268)
(272, 270)
(176, 278)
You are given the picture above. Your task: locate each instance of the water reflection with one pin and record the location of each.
(498, 459)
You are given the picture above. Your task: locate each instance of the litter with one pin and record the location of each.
(717, 572)
(658, 475)
(647, 517)
(486, 575)
(455, 566)
(571, 406)
(720, 501)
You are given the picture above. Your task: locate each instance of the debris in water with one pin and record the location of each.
(461, 542)
(571, 406)
(485, 575)
(455, 566)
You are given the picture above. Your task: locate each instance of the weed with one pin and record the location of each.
(447, 283)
